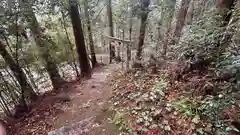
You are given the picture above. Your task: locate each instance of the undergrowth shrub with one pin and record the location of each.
(230, 67)
(208, 109)
(209, 40)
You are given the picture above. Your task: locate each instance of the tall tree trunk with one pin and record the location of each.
(144, 15)
(79, 39)
(90, 37)
(160, 23)
(159, 34)
(111, 34)
(27, 91)
(202, 7)
(44, 43)
(130, 38)
(70, 45)
(118, 44)
(122, 57)
(189, 17)
(170, 12)
(180, 20)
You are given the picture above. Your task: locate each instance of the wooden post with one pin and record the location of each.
(123, 32)
(130, 38)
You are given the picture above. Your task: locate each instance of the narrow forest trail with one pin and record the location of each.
(87, 113)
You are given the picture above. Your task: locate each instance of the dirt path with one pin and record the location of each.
(86, 113)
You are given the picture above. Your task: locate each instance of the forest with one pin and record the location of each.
(119, 67)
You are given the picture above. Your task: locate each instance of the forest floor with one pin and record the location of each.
(169, 102)
(138, 102)
(86, 113)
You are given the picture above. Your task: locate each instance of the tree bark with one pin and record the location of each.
(44, 43)
(130, 38)
(118, 44)
(90, 37)
(170, 10)
(111, 34)
(122, 57)
(144, 15)
(189, 17)
(79, 39)
(70, 45)
(27, 91)
(203, 5)
(159, 32)
(180, 20)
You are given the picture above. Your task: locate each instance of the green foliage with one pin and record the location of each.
(209, 109)
(230, 66)
(207, 39)
(62, 52)
(160, 87)
(120, 120)
(200, 41)
(60, 44)
(186, 106)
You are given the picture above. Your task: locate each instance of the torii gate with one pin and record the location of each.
(129, 44)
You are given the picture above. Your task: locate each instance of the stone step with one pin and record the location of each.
(79, 128)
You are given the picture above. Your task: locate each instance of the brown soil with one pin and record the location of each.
(88, 105)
